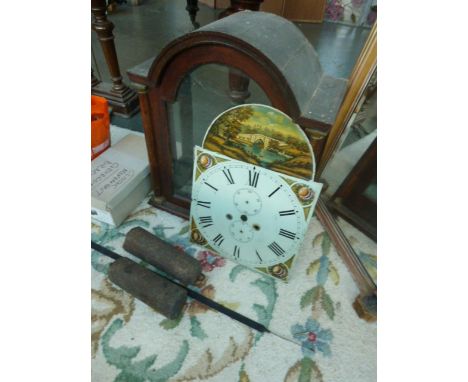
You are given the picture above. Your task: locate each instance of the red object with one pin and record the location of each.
(100, 126)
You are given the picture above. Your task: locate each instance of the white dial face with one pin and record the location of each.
(248, 214)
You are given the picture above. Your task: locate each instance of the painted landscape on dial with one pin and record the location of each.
(262, 136)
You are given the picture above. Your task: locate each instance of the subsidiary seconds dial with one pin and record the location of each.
(248, 213)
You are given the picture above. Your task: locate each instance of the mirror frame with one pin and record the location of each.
(366, 303)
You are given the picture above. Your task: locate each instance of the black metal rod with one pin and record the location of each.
(105, 251)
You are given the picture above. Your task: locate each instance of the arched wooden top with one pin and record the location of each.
(193, 50)
(269, 49)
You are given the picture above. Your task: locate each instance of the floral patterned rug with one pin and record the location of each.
(316, 335)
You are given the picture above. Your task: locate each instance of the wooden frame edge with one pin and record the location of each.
(364, 68)
(364, 281)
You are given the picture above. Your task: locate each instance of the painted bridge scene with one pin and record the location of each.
(261, 140)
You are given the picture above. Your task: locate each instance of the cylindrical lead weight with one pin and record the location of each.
(162, 255)
(162, 295)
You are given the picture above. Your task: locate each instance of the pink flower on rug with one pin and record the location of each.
(209, 260)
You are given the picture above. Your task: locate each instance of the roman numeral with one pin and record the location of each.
(207, 220)
(276, 249)
(274, 191)
(236, 252)
(228, 175)
(253, 178)
(258, 256)
(218, 239)
(286, 233)
(209, 185)
(287, 212)
(204, 204)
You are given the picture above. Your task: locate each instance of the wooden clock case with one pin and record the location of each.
(266, 48)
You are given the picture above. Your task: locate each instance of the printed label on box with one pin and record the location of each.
(108, 177)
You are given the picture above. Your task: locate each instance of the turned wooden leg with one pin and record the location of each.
(123, 100)
(192, 9)
(238, 82)
(94, 80)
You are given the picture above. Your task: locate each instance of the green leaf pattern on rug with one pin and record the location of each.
(317, 296)
(311, 296)
(235, 272)
(104, 235)
(99, 262)
(309, 371)
(323, 265)
(333, 273)
(268, 287)
(196, 329)
(265, 312)
(313, 267)
(327, 304)
(139, 371)
(170, 324)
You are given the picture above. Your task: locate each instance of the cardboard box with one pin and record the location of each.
(119, 180)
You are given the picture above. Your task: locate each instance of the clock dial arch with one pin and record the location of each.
(264, 128)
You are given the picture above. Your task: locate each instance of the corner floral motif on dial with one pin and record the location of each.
(313, 338)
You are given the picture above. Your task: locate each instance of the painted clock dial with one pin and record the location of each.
(247, 213)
